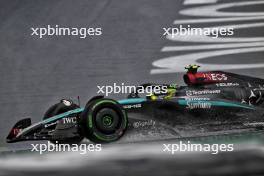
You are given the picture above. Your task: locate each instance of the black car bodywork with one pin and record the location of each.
(212, 103)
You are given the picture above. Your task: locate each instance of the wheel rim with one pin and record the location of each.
(107, 120)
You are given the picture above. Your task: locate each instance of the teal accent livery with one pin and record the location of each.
(60, 116)
(132, 101)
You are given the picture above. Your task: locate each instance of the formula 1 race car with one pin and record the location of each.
(210, 103)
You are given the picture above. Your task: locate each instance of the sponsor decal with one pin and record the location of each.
(198, 105)
(197, 98)
(132, 106)
(142, 124)
(202, 92)
(227, 84)
(215, 76)
(16, 131)
(252, 94)
(50, 124)
(69, 120)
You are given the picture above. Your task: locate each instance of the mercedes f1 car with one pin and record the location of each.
(210, 102)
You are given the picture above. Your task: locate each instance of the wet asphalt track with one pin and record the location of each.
(35, 73)
(136, 159)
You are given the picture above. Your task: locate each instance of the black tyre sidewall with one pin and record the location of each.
(88, 121)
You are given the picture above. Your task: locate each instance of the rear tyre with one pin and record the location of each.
(104, 120)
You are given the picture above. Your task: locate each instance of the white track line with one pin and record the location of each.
(193, 2)
(215, 10)
(210, 46)
(175, 64)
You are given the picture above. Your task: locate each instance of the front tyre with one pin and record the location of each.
(104, 120)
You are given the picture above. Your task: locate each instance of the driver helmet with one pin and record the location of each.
(192, 68)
